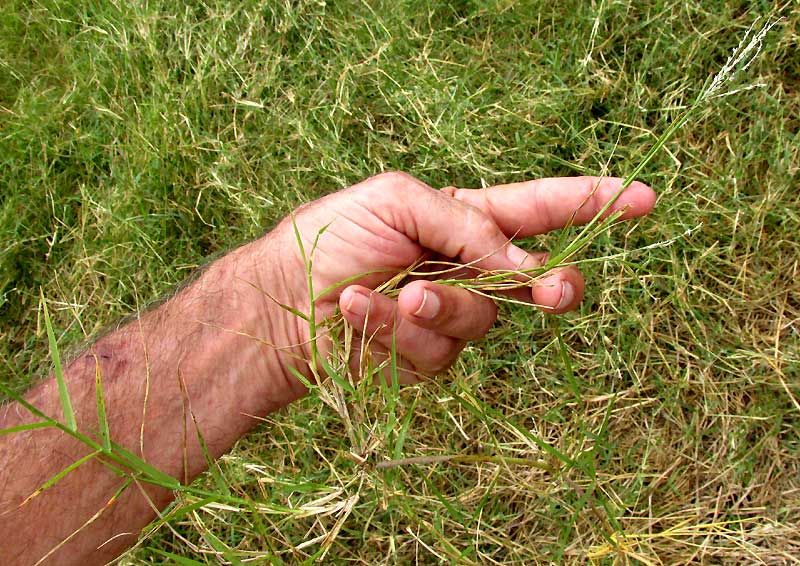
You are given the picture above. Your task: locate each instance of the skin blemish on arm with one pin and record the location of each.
(113, 356)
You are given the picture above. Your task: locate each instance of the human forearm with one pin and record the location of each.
(210, 351)
(205, 353)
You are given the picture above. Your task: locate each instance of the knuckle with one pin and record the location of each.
(483, 224)
(451, 191)
(480, 224)
(393, 182)
(544, 210)
(394, 179)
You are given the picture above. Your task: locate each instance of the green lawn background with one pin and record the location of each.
(138, 138)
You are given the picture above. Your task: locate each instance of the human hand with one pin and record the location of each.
(197, 350)
(383, 225)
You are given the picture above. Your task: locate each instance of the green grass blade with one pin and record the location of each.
(349, 280)
(61, 475)
(339, 380)
(403, 432)
(299, 239)
(213, 467)
(136, 464)
(459, 516)
(395, 375)
(63, 392)
(221, 548)
(390, 394)
(487, 414)
(568, 370)
(14, 396)
(176, 558)
(320, 232)
(31, 426)
(10, 393)
(174, 512)
(301, 378)
(102, 417)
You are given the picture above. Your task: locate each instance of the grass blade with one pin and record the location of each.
(301, 378)
(60, 475)
(136, 464)
(339, 380)
(213, 467)
(404, 426)
(488, 415)
(63, 392)
(102, 417)
(570, 373)
(20, 428)
(221, 548)
(174, 512)
(176, 558)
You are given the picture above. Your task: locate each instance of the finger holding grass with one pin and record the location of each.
(387, 223)
(536, 207)
(539, 206)
(429, 323)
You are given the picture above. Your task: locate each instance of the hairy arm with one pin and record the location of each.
(209, 352)
(206, 351)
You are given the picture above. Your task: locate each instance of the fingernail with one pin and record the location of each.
(429, 307)
(567, 294)
(516, 255)
(358, 303)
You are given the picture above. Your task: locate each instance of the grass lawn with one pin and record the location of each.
(138, 138)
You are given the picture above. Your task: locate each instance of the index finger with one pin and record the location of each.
(539, 206)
